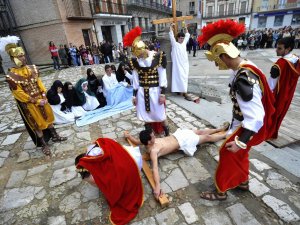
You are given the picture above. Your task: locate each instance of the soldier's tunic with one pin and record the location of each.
(149, 78)
(251, 115)
(28, 89)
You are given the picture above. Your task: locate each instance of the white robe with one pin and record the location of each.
(91, 102)
(109, 82)
(61, 117)
(180, 64)
(157, 112)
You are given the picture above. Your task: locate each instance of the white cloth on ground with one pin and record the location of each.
(157, 111)
(91, 102)
(180, 64)
(187, 140)
(61, 117)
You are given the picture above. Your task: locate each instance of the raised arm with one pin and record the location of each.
(171, 34)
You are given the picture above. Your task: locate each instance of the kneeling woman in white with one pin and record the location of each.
(57, 101)
(86, 97)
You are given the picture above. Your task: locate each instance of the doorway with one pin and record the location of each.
(106, 33)
(86, 37)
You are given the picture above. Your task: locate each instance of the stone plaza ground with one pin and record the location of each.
(36, 190)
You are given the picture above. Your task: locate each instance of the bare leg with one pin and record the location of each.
(211, 138)
(212, 131)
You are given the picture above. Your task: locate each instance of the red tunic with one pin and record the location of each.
(118, 177)
(233, 168)
(284, 90)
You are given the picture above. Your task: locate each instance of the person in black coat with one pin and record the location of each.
(96, 86)
(123, 73)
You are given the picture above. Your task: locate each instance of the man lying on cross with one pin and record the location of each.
(183, 139)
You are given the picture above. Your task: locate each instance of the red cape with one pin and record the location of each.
(233, 168)
(118, 177)
(284, 90)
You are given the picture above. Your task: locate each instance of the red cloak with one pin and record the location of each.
(118, 177)
(233, 168)
(284, 90)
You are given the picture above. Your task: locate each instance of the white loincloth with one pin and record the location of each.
(187, 140)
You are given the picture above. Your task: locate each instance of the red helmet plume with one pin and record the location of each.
(131, 36)
(229, 27)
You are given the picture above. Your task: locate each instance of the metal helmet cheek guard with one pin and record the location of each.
(219, 36)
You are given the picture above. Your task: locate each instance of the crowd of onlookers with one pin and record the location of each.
(71, 55)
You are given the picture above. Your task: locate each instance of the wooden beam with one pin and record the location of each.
(171, 19)
(163, 199)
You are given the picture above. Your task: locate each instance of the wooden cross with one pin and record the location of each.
(163, 199)
(174, 19)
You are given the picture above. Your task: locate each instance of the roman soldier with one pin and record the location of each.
(252, 107)
(30, 94)
(149, 80)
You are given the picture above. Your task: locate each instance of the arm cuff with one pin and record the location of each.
(246, 135)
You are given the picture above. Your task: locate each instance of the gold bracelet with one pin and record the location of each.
(239, 143)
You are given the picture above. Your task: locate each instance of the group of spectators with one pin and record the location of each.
(71, 55)
(69, 102)
(266, 38)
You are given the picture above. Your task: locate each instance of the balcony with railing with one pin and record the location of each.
(148, 4)
(223, 13)
(108, 7)
(279, 6)
(77, 9)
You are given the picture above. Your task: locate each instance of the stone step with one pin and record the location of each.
(292, 151)
(285, 159)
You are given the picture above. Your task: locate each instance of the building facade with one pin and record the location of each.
(275, 14)
(145, 11)
(63, 22)
(111, 19)
(191, 8)
(239, 10)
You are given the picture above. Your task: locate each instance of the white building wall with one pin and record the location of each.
(270, 21)
(254, 23)
(99, 31)
(287, 20)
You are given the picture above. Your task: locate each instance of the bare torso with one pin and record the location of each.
(164, 146)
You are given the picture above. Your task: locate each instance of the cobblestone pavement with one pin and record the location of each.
(36, 190)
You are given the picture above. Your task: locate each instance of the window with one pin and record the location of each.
(192, 8)
(221, 10)
(278, 21)
(243, 7)
(231, 9)
(262, 22)
(296, 20)
(209, 11)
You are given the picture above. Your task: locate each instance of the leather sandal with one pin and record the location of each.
(213, 196)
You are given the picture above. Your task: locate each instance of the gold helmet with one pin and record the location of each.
(219, 36)
(133, 39)
(10, 45)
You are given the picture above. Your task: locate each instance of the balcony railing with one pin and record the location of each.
(279, 6)
(77, 9)
(152, 5)
(219, 14)
(108, 7)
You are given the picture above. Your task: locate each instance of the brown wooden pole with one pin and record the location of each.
(174, 17)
